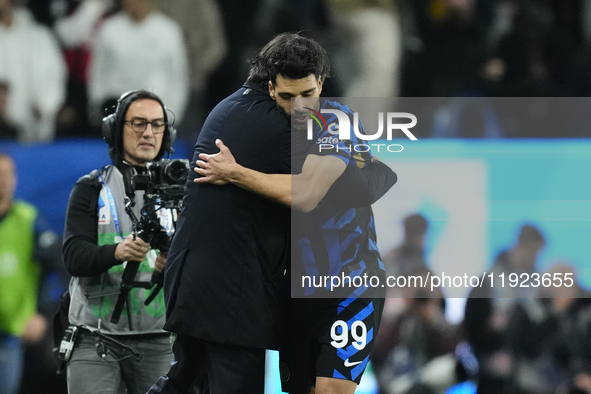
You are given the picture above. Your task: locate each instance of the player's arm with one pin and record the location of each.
(361, 187)
(302, 191)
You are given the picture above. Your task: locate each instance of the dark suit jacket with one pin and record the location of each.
(225, 271)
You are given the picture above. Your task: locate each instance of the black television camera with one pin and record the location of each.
(162, 183)
(161, 177)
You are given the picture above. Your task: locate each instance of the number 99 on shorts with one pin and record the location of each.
(340, 334)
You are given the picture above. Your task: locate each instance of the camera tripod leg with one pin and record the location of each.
(129, 317)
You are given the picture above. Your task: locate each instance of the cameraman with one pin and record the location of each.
(98, 241)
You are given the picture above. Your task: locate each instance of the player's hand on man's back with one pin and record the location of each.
(216, 168)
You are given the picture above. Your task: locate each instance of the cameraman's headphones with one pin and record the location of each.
(111, 123)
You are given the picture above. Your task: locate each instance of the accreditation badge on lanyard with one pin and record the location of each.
(166, 221)
(107, 209)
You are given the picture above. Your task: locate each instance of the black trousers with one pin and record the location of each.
(212, 368)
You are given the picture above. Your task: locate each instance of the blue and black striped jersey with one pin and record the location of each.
(334, 239)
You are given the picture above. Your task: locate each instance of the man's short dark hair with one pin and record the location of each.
(290, 55)
(530, 235)
(415, 225)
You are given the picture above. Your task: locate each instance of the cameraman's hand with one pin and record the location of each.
(132, 250)
(160, 263)
(217, 168)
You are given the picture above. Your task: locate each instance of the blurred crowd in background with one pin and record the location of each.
(512, 340)
(63, 63)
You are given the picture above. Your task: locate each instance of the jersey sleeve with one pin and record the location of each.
(328, 143)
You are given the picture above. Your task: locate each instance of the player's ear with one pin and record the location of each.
(271, 90)
(319, 85)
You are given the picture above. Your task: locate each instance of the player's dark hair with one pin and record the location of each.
(290, 55)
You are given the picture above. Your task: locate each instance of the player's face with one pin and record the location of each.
(303, 89)
(7, 179)
(139, 148)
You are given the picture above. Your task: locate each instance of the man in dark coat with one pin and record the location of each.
(225, 281)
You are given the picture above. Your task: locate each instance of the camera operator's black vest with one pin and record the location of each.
(84, 311)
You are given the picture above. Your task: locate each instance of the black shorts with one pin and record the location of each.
(330, 338)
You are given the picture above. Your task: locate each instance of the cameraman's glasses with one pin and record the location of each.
(139, 125)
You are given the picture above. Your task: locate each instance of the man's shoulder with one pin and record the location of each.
(94, 177)
(165, 24)
(331, 118)
(333, 104)
(39, 36)
(112, 28)
(24, 208)
(249, 104)
(115, 21)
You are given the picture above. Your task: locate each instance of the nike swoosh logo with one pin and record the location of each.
(349, 364)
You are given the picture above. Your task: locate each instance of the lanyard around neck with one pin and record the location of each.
(112, 206)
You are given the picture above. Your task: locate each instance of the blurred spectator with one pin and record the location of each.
(415, 344)
(586, 20)
(569, 16)
(373, 45)
(444, 46)
(240, 23)
(421, 359)
(206, 45)
(466, 117)
(311, 19)
(532, 52)
(139, 48)
(489, 310)
(549, 336)
(278, 16)
(521, 258)
(406, 259)
(29, 260)
(76, 27)
(33, 67)
(7, 130)
(47, 11)
(409, 257)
